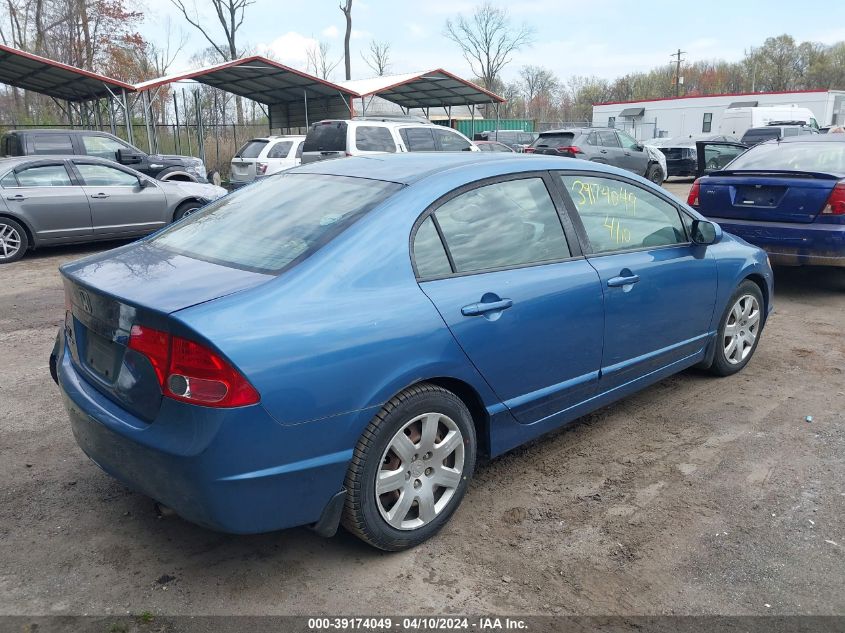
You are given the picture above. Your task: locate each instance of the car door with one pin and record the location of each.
(119, 204)
(53, 205)
(525, 308)
(608, 148)
(715, 155)
(633, 158)
(659, 288)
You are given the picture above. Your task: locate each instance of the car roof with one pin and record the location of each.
(815, 138)
(411, 167)
(569, 130)
(58, 131)
(14, 161)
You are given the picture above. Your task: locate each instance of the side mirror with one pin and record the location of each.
(705, 233)
(143, 183)
(128, 157)
(639, 148)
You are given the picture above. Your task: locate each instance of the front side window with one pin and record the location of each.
(105, 176)
(102, 146)
(451, 142)
(619, 216)
(280, 149)
(274, 223)
(372, 138)
(418, 139)
(503, 224)
(628, 142)
(429, 254)
(51, 144)
(44, 176)
(707, 123)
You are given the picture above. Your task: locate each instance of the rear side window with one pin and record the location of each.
(555, 140)
(757, 136)
(326, 136)
(44, 176)
(418, 139)
(372, 138)
(280, 149)
(504, 224)
(429, 254)
(619, 216)
(251, 149)
(51, 144)
(607, 138)
(276, 222)
(451, 142)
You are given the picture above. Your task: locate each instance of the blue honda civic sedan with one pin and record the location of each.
(339, 344)
(787, 197)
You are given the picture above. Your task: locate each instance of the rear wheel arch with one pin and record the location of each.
(471, 398)
(188, 203)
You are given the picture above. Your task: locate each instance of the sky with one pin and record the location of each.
(605, 38)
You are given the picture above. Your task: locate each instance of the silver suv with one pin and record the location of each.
(362, 136)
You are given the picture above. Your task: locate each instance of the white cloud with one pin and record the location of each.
(290, 48)
(359, 35)
(331, 31)
(416, 30)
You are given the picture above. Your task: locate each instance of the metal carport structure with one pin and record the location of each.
(75, 87)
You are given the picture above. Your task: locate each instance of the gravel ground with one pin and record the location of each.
(697, 496)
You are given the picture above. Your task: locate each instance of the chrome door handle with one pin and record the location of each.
(16, 198)
(615, 282)
(603, 151)
(99, 196)
(475, 309)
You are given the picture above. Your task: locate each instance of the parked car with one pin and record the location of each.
(517, 140)
(493, 146)
(681, 156)
(365, 136)
(600, 145)
(775, 131)
(261, 157)
(102, 145)
(51, 200)
(786, 197)
(509, 297)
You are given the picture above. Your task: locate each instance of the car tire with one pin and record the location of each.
(14, 241)
(655, 174)
(214, 177)
(739, 330)
(186, 208)
(408, 437)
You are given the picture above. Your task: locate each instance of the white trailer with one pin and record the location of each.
(696, 116)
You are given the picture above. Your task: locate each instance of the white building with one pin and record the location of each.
(693, 116)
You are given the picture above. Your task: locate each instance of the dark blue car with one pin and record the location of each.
(787, 197)
(339, 343)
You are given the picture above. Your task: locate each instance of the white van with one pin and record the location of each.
(736, 121)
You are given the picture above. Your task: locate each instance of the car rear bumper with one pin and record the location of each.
(792, 244)
(232, 470)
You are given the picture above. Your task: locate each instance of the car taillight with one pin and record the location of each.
(190, 372)
(570, 149)
(836, 202)
(528, 150)
(261, 168)
(692, 197)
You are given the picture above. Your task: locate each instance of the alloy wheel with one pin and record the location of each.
(741, 329)
(420, 471)
(10, 241)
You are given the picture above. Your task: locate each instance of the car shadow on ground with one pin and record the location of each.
(808, 281)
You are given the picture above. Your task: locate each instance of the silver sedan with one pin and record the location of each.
(52, 200)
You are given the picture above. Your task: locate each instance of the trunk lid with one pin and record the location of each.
(765, 196)
(135, 285)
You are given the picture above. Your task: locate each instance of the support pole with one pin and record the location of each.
(127, 116)
(112, 125)
(145, 108)
(187, 122)
(69, 114)
(200, 130)
(178, 138)
(305, 95)
(472, 119)
(497, 120)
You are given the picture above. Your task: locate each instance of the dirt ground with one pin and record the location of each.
(697, 496)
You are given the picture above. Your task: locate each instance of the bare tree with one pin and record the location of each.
(347, 13)
(230, 15)
(318, 60)
(378, 57)
(487, 40)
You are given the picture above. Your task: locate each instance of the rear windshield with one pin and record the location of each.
(757, 136)
(821, 157)
(555, 140)
(326, 136)
(251, 149)
(275, 223)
